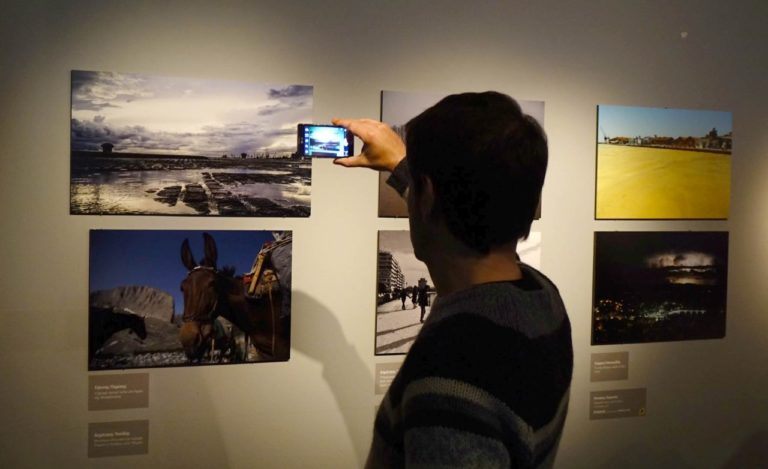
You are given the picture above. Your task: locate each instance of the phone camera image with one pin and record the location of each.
(324, 141)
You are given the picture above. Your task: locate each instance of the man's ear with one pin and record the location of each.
(425, 202)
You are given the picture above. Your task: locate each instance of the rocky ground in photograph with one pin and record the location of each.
(161, 346)
(222, 186)
(212, 196)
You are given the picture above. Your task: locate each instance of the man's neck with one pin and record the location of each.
(455, 273)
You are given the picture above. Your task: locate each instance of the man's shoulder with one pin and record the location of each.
(531, 307)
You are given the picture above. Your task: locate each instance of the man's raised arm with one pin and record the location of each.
(382, 149)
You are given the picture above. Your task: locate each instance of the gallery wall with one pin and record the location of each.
(706, 404)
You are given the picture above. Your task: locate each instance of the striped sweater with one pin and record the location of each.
(485, 384)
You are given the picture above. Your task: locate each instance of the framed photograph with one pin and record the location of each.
(152, 145)
(659, 286)
(397, 108)
(405, 292)
(657, 163)
(176, 298)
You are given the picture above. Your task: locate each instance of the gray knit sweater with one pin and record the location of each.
(485, 384)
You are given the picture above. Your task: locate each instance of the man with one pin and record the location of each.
(423, 298)
(486, 382)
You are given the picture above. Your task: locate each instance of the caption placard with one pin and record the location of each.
(617, 403)
(385, 373)
(123, 391)
(610, 366)
(118, 438)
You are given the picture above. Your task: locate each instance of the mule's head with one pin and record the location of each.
(201, 298)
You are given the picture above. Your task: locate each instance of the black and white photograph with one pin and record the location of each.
(161, 298)
(659, 286)
(405, 292)
(154, 145)
(397, 108)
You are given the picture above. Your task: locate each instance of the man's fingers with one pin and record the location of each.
(341, 122)
(382, 147)
(363, 128)
(351, 162)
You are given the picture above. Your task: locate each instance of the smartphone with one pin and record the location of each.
(324, 141)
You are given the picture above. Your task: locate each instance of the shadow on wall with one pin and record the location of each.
(752, 453)
(319, 336)
(642, 457)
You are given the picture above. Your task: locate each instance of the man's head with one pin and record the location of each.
(478, 165)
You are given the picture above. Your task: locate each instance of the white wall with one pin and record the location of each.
(707, 404)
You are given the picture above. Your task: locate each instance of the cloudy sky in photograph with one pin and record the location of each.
(399, 244)
(185, 116)
(632, 260)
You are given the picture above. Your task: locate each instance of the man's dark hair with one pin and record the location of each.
(486, 160)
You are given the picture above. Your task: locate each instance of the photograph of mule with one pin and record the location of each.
(258, 307)
(152, 304)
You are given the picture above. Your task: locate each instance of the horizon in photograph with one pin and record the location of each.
(633, 122)
(659, 286)
(155, 145)
(658, 163)
(140, 113)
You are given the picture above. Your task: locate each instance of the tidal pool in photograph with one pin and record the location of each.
(190, 186)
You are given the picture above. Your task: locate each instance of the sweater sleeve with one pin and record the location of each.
(450, 418)
(400, 179)
(442, 430)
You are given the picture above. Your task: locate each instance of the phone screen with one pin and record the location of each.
(325, 141)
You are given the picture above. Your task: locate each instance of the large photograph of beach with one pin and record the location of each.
(154, 145)
(160, 298)
(397, 108)
(659, 286)
(405, 292)
(655, 163)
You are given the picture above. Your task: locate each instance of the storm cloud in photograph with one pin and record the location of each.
(659, 286)
(140, 113)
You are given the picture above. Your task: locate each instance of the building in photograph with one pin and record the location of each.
(390, 275)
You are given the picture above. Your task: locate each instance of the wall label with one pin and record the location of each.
(118, 438)
(617, 404)
(123, 391)
(609, 366)
(385, 373)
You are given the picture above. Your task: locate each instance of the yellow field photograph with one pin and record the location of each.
(663, 163)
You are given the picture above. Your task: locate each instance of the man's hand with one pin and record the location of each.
(382, 149)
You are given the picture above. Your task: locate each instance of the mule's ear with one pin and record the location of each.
(186, 256)
(211, 254)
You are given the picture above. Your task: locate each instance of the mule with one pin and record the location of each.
(210, 293)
